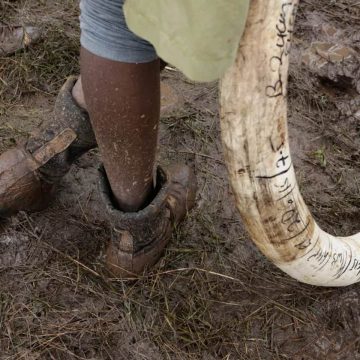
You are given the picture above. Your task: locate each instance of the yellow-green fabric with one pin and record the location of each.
(200, 37)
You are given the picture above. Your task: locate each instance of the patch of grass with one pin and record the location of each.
(320, 156)
(212, 296)
(43, 66)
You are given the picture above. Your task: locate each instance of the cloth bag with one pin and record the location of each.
(199, 37)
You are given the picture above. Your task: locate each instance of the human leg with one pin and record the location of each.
(123, 100)
(120, 78)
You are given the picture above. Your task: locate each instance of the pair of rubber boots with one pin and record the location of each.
(29, 173)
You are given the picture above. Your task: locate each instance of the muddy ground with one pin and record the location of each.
(213, 295)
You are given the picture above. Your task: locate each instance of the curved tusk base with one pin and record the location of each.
(256, 148)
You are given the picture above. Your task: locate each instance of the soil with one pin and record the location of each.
(212, 295)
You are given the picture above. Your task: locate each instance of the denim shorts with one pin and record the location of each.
(104, 33)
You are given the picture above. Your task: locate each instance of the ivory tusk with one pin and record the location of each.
(256, 148)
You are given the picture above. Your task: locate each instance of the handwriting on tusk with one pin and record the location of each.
(284, 185)
(284, 29)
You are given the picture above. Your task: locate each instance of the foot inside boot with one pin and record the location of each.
(139, 238)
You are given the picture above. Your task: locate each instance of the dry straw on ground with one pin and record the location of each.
(212, 296)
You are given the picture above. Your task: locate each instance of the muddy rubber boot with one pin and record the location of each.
(29, 172)
(139, 238)
(13, 38)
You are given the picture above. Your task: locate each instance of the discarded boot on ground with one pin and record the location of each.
(14, 38)
(29, 172)
(139, 238)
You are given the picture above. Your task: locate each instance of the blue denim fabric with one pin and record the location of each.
(104, 33)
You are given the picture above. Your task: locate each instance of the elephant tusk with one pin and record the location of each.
(256, 149)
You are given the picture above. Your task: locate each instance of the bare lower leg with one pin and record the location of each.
(78, 92)
(123, 101)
